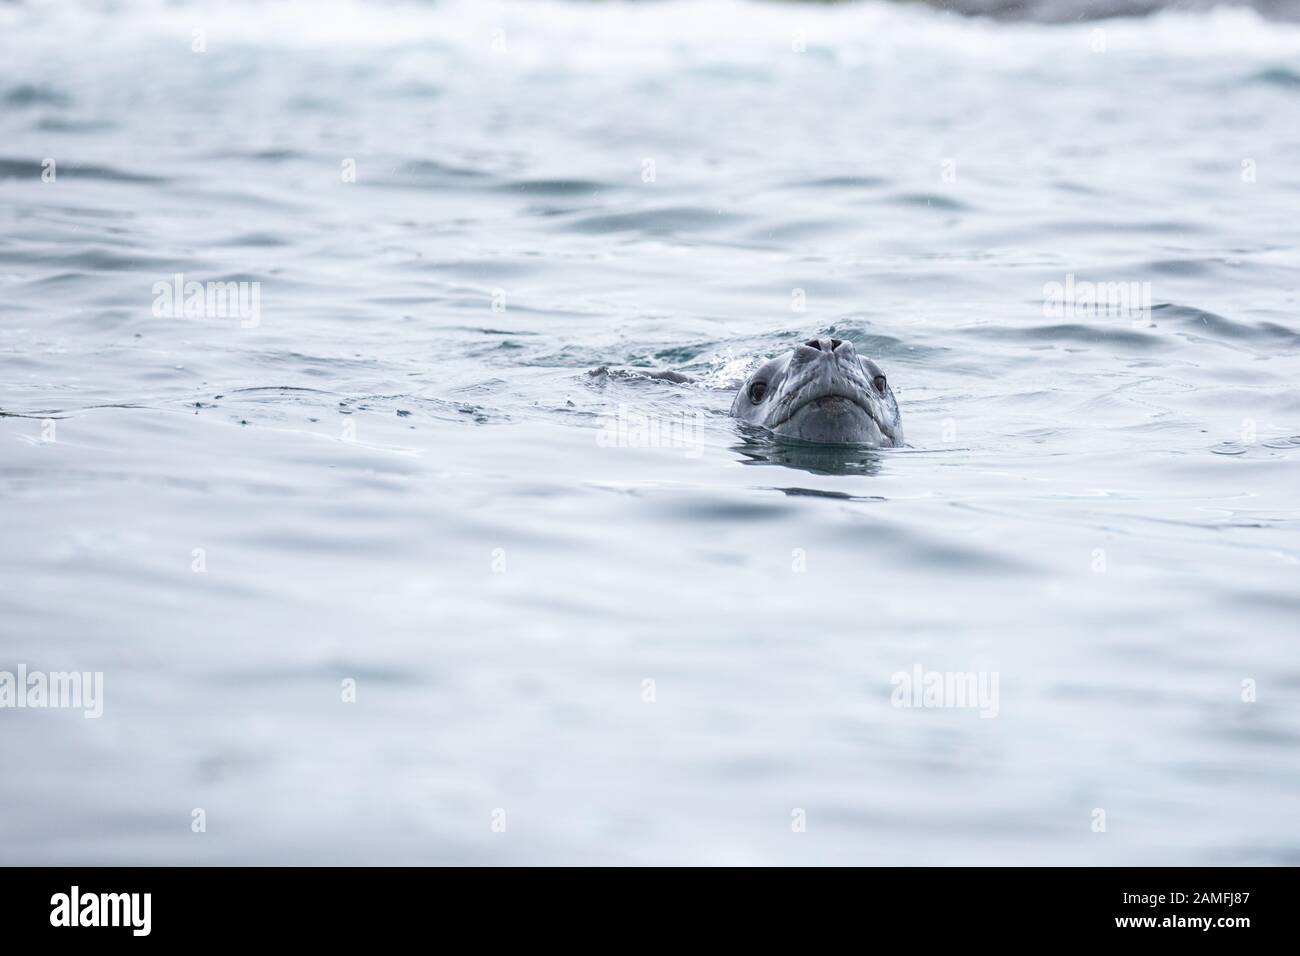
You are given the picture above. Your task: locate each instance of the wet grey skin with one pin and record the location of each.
(822, 391)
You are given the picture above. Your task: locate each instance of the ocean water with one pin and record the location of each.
(403, 562)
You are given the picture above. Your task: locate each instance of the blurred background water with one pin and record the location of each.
(410, 471)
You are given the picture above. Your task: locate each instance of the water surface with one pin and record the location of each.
(410, 472)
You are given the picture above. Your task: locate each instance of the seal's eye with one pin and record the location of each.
(757, 391)
(879, 382)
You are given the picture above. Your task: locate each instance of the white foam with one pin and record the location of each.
(620, 36)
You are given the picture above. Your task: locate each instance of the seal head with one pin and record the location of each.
(824, 392)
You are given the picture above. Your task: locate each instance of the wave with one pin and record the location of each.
(1073, 11)
(688, 34)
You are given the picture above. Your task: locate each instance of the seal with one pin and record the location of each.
(824, 392)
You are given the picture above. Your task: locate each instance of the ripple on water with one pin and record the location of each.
(657, 222)
(556, 187)
(69, 124)
(837, 184)
(30, 94)
(927, 201)
(1279, 76)
(104, 259)
(73, 170)
(1110, 333)
(256, 240)
(429, 174)
(1191, 319)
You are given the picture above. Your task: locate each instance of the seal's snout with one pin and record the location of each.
(828, 345)
(822, 363)
(821, 357)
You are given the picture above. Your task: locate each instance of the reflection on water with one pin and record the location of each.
(757, 449)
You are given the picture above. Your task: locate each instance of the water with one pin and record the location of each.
(407, 471)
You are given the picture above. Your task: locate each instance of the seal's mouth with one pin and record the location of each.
(835, 401)
(839, 415)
